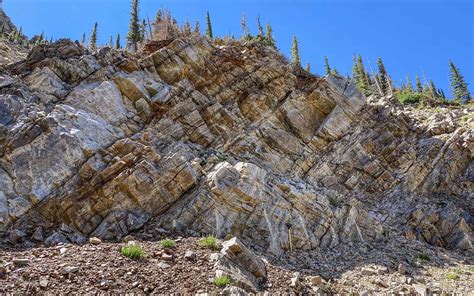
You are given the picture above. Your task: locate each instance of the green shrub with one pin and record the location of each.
(133, 251)
(221, 281)
(167, 243)
(423, 256)
(334, 201)
(409, 97)
(209, 242)
(452, 276)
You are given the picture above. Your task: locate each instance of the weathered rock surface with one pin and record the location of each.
(245, 269)
(196, 137)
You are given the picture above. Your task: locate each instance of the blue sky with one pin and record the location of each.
(412, 36)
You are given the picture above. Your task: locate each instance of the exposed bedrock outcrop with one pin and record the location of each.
(225, 140)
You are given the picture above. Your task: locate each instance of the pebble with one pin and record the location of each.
(382, 270)
(43, 283)
(71, 269)
(21, 261)
(215, 257)
(420, 289)
(62, 250)
(315, 280)
(402, 269)
(367, 271)
(95, 241)
(167, 257)
(190, 255)
(128, 238)
(163, 265)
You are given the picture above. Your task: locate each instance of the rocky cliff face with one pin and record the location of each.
(197, 137)
(5, 21)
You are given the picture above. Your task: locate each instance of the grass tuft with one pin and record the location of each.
(334, 201)
(209, 242)
(452, 276)
(167, 243)
(134, 251)
(221, 281)
(423, 256)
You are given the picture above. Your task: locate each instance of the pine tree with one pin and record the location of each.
(419, 86)
(295, 53)
(360, 76)
(459, 86)
(367, 79)
(269, 36)
(245, 29)
(260, 29)
(133, 36)
(433, 89)
(334, 72)
(111, 41)
(383, 77)
(441, 94)
(117, 42)
(409, 86)
(197, 30)
(187, 28)
(327, 68)
(158, 17)
(143, 31)
(209, 26)
(83, 41)
(308, 67)
(93, 41)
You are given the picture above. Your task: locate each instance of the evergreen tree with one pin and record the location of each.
(360, 76)
(93, 41)
(334, 72)
(383, 77)
(197, 30)
(111, 41)
(327, 68)
(433, 89)
(83, 41)
(295, 53)
(143, 30)
(187, 28)
(133, 36)
(245, 29)
(208, 26)
(419, 86)
(409, 86)
(459, 86)
(117, 42)
(269, 36)
(157, 21)
(308, 67)
(441, 94)
(260, 29)
(367, 79)
(158, 17)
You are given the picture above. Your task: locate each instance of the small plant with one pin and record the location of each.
(133, 251)
(167, 243)
(209, 242)
(452, 276)
(409, 97)
(334, 201)
(221, 281)
(423, 256)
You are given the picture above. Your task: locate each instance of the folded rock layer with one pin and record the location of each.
(222, 139)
